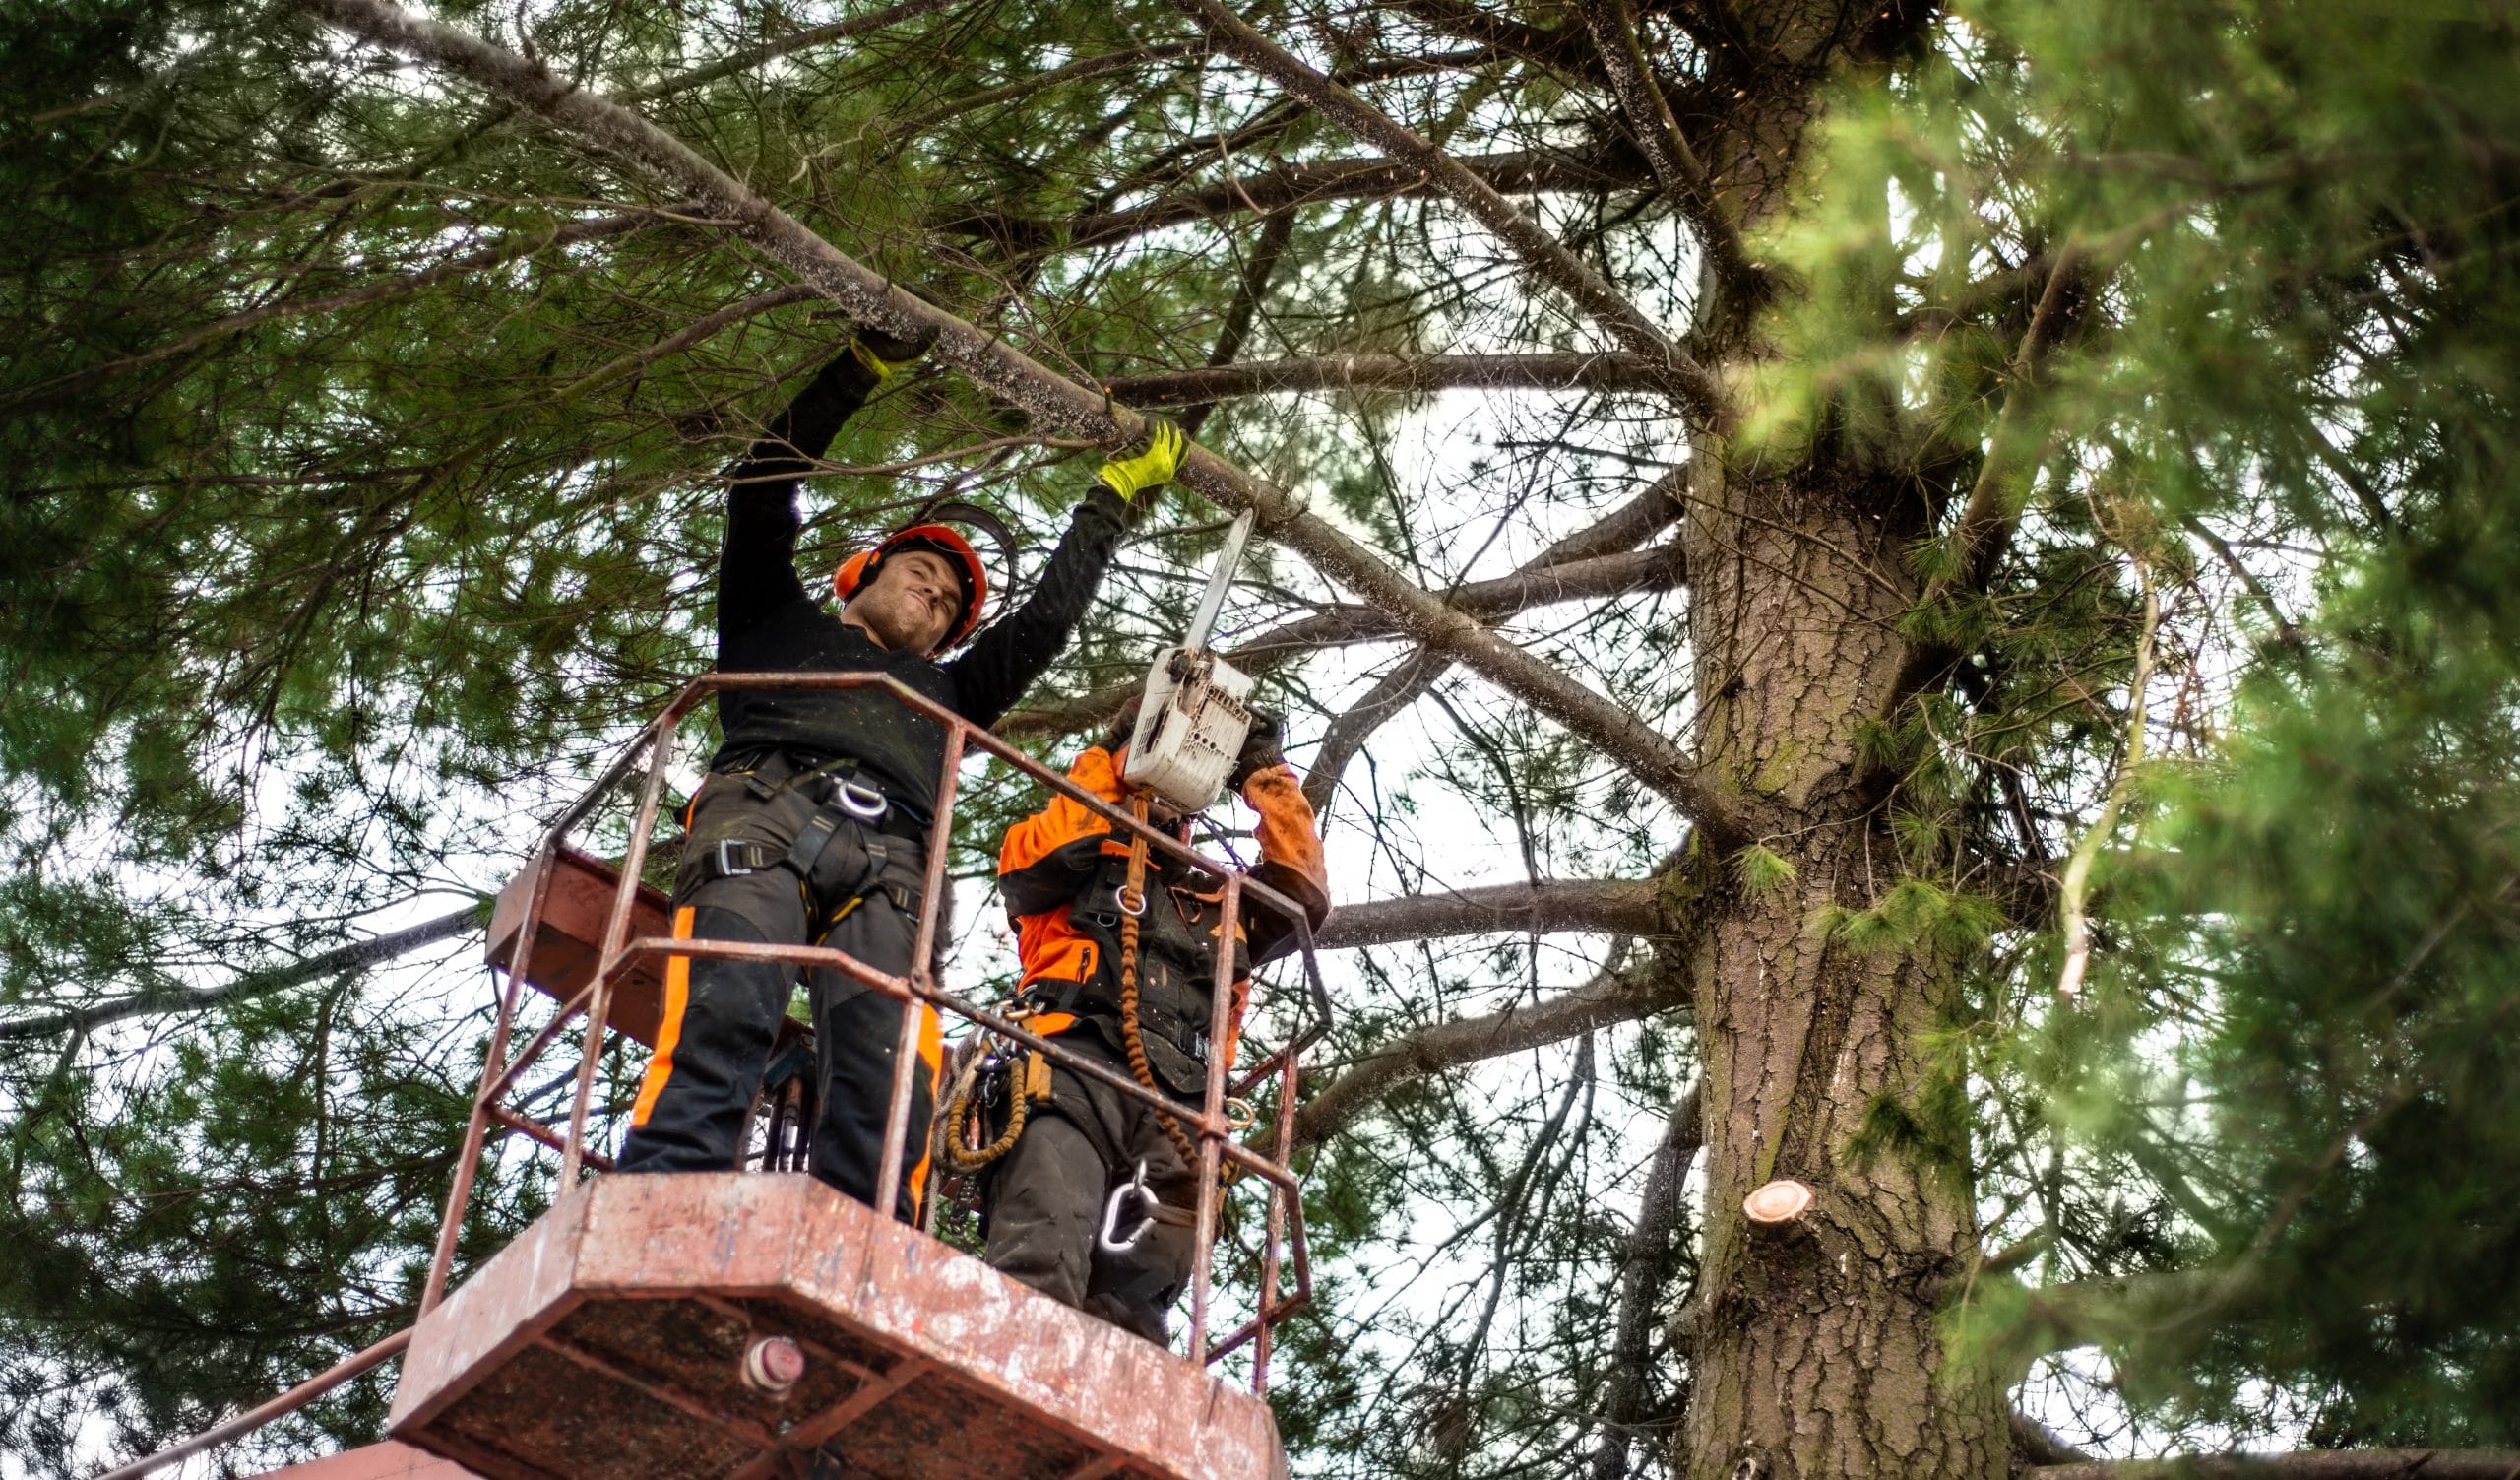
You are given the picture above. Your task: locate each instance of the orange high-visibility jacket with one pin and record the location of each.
(1063, 855)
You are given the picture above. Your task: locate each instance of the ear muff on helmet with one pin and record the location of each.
(937, 538)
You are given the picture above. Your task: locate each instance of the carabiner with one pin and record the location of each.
(1109, 1240)
(863, 802)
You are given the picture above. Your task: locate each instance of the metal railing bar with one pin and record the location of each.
(1213, 1131)
(616, 929)
(543, 1037)
(458, 1192)
(1272, 1237)
(1243, 1334)
(898, 988)
(280, 1407)
(527, 1127)
(888, 1171)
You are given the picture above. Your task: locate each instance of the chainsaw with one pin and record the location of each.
(1197, 708)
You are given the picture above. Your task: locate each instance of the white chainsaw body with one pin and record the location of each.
(1190, 729)
(1197, 708)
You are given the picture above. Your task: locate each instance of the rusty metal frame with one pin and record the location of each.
(1284, 1243)
(1284, 1233)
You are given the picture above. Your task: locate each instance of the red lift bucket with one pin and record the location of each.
(611, 1338)
(745, 1327)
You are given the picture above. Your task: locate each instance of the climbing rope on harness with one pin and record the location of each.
(967, 1159)
(1132, 906)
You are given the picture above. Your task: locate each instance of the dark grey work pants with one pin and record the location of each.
(722, 1017)
(1045, 1201)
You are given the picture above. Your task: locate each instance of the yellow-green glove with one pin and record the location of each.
(889, 354)
(1149, 467)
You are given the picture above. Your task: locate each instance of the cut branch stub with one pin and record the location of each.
(1779, 1204)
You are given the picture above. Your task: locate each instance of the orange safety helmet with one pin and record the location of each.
(939, 539)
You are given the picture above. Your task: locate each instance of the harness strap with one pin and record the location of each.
(1079, 999)
(733, 858)
(812, 839)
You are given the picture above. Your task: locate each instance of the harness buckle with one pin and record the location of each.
(728, 868)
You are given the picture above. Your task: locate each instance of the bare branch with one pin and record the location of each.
(1389, 373)
(2310, 1464)
(1542, 253)
(1641, 1277)
(1622, 529)
(689, 335)
(1257, 274)
(1294, 185)
(1676, 166)
(1076, 70)
(1602, 576)
(753, 56)
(1401, 687)
(1616, 906)
(1986, 518)
(1652, 511)
(871, 300)
(352, 957)
(2038, 1444)
(1559, 50)
(1657, 568)
(1610, 998)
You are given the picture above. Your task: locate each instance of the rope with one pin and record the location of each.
(965, 1160)
(1130, 1038)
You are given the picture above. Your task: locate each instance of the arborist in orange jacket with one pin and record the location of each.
(1139, 999)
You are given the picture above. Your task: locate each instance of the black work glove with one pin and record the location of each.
(1264, 745)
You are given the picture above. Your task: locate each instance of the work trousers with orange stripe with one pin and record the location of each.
(722, 1017)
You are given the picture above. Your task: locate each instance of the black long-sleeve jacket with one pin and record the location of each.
(768, 623)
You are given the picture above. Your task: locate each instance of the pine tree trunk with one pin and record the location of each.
(1816, 1353)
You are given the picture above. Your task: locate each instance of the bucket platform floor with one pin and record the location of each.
(609, 1340)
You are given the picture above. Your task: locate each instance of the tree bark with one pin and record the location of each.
(2310, 1464)
(1815, 1352)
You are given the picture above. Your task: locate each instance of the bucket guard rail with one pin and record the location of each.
(619, 954)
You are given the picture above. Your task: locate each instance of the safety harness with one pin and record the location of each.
(1136, 1019)
(889, 839)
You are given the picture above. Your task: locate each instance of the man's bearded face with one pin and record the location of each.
(910, 606)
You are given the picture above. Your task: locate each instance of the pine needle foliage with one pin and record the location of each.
(361, 438)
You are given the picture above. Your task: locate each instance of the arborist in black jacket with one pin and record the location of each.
(812, 824)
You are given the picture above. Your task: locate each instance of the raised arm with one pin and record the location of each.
(1005, 660)
(757, 569)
